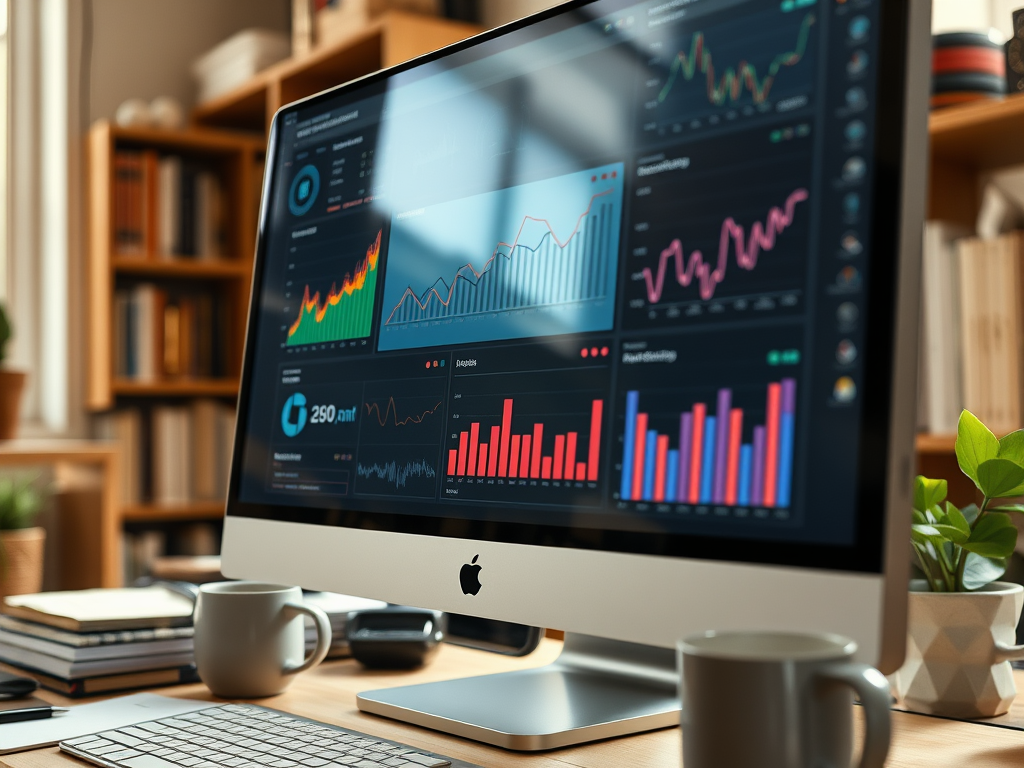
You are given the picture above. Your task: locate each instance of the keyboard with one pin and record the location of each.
(242, 735)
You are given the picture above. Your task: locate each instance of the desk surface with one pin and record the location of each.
(328, 694)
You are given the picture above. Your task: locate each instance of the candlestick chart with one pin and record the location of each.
(741, 66)
(537, 259)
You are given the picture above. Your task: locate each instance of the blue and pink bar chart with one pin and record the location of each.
(710, 463)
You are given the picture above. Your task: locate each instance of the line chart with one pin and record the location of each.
(342, 313)
(730, 86)
(397, 475)
(535, 259)
(747, 250)
(392, 408)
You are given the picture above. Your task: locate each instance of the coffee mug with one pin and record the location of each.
(778, 700)
(250, 638)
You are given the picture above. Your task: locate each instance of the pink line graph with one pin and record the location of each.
(762, 237)
(432, 293)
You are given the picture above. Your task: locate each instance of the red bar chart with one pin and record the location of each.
(524, 456)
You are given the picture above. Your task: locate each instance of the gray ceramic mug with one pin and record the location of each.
(250, 639)
(778, 700)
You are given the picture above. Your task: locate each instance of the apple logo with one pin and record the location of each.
(469, 577)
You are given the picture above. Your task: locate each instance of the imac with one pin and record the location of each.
(605, 320)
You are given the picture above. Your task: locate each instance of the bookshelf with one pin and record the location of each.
(390, 39)
(966, 142)
(236, 159)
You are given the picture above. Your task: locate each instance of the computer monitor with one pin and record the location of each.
(604, 321)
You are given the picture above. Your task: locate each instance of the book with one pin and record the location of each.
(92, 639)
(72, 653)
(103, 610)
(92, 686)
(169, 206)
(172, 445)
(941, 389)
(74, 670)
(992, 328)
(124, 427)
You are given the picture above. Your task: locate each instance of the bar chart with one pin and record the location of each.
(497, 452)
(534, 436)
(711, 463)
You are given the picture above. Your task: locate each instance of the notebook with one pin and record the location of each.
(103, 610)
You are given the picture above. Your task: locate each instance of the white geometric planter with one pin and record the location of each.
(959, 647)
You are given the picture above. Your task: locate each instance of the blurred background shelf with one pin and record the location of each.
(391, 39)
(195, 510)
(176, 388)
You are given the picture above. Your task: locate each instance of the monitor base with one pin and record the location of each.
(596, 689)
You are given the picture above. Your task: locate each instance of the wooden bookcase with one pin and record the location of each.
(236, 158)
(966, 143)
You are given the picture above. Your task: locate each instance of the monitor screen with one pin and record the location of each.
(620, 278)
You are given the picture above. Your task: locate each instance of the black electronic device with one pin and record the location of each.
(504, 637)
(395, 637)
(15, 686)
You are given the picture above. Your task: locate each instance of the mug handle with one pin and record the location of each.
(323, 635)
(1006, 652)
(873, 690)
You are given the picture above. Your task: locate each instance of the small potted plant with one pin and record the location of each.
(962, 620)
(21, 542)
(11, 385)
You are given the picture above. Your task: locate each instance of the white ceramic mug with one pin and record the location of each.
(778, 700)
(250, 637)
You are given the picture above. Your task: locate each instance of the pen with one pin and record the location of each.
(35, 713)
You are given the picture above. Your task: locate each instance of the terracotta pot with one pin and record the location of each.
(21, 569)
(11, 385)
(959, 649)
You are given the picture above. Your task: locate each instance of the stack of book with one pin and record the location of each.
(166, 207)
(99, 640)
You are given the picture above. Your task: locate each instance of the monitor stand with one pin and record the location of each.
(595, 689)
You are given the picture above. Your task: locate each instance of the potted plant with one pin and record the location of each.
(11, 385)
(21, 542)
(962, 621)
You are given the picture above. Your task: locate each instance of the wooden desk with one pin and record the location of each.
(328, 694)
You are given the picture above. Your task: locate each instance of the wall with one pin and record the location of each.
(145, 48)
(978, 15)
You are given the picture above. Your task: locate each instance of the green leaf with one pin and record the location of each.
(980, 571)
(1018, 508)
(970, 513)
(918, 518)
(998, 478)
(975, 444)
(928, 493)
(956, 518)
(993, 536)
(952, 533)
(1011, 447)
(927, 534)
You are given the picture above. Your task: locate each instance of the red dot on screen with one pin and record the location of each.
(593, 351)
(604, 175)
(615, 174)
(593, 178)
(584, 353)
(604, 351)
(428, 363)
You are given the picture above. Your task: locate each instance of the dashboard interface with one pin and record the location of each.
(606, 272)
